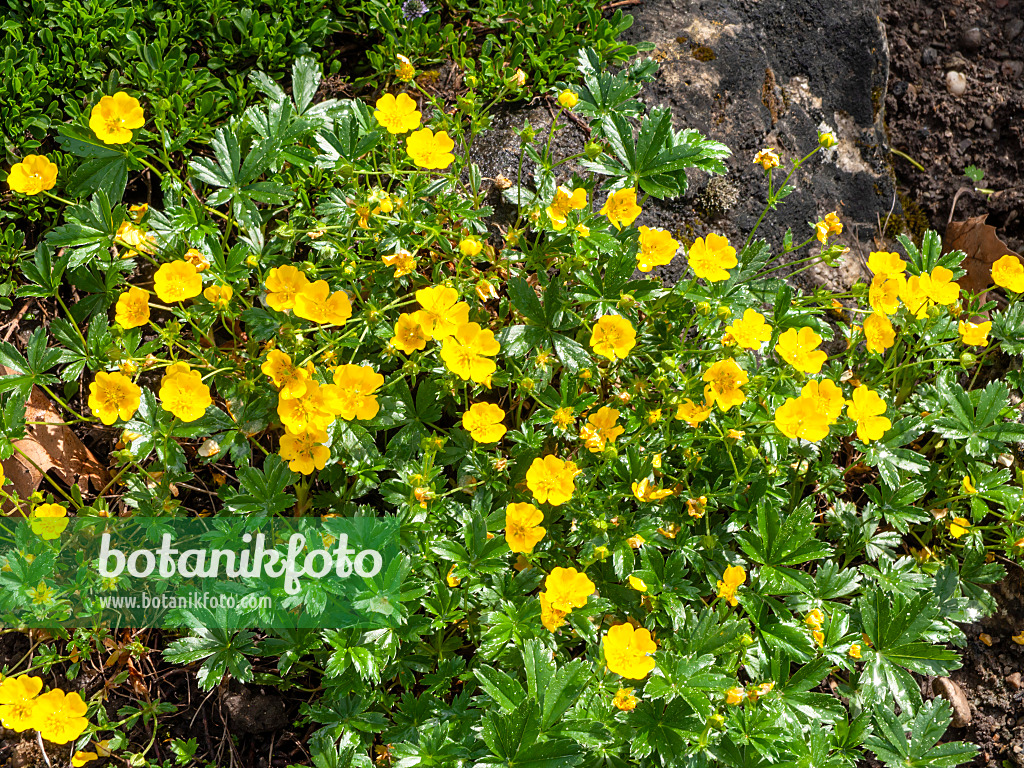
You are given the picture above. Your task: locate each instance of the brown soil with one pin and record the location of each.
(945, 133)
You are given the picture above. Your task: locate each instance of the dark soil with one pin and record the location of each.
(945, 133)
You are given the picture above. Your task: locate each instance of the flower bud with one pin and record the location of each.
(527, 384)
(723, 312)
(704, 308)
(568, 99)
(593, 150)
(627, 301)
(967, 359)
(346, 170)
(466, 104)
(471, 81)
(934, 312)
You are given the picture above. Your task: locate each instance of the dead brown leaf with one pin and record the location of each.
(50, 446)
(983, 248)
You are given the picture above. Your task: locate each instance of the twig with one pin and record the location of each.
(13, 324)
(46, 757)
(908, 158)
(620, 3)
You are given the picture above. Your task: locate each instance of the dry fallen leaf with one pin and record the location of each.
(982, 246)
(51, 446)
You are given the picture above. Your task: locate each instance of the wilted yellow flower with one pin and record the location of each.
(967, 486)
(731, 580)
(404, 70)
(402, 261)
(647, 491)
(958, 527)
(767, 159)
(625, 700)
(735, 696)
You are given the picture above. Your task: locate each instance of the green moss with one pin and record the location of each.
(913, 221)
(702, 53)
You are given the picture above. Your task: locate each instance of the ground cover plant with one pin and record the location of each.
(713, 523)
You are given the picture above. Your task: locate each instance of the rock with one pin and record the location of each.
(1013, 28)
(767, 87)
(971, 40)
(1014, 681)
(951, 692)
(988, 122)
(929, 56)
(250, 712)
(956, 83)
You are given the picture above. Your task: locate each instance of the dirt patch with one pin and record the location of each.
(943, 130)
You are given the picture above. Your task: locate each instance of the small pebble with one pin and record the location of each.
(1012, 69)
(1013, 28)
(969, 125)
(1015, 681)
(929, 56)
(951, 692)
(971, 39)
(956, 83)
(988, 122)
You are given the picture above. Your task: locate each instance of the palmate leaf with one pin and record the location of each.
(926, 724)
(974, 416)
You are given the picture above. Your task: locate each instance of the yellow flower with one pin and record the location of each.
(819, 638)
(627, 651)
(921, 291)
(483, 422)
(550, 617)
(767, 159)
(563, 417)
(352, 394)
(518, 78)
(316, 303)
(885, 291)
(975, 334)
(761, 690)
(404, 70)
(654, 416)
(430, 150)
(566, 201)
(751, 331)
(886, 263)
(60, 717)
(724, 380)
(878, 332)
(177, 281)
(827, 139)
(621, 208)
(613, 337)
(397, 115)
(183, 393)
(583, 230)
(636, 541)
(735, 696)
(113, 396)
(821, 232)
(566, 589)
(283, 286)
(854, 652)
(657, 248)
(219, 295)
(731, 580)
(1008, 272)
(624, 700)
(290, 379)
(132, 309)
(470, 247)
(799, 348)
(409, 334)
(305, 451)
(693, 414)
(799, 417)
(958, 527)
(867, 409)
(522, 526)
(442, 313)
(32, 175)
(18, 701)
(827, 398)
(568, 99)
(551, 480)
(308, 412)
(711, 258)
(468, 353)
(114, 118)
(695, 507)
(638, 584)
(138, 212)
(600, 428)
(646, 491)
